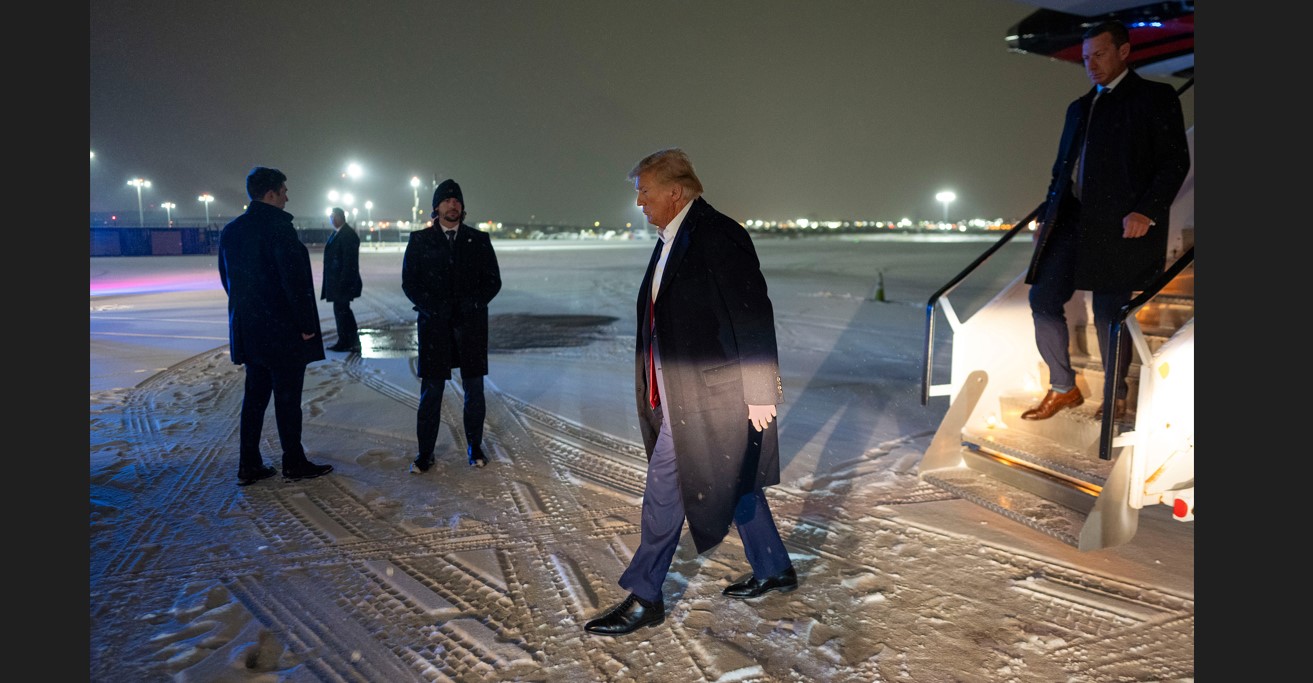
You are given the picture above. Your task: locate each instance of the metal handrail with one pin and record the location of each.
(1110, 379)
(927, 364)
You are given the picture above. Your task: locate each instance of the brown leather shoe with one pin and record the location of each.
(1052, 403)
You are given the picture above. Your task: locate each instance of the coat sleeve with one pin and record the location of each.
(1171, 153)
(352, 281)
(296, 279)
(412, 279)
(739, 278)
(490, 277)
(1061, 173)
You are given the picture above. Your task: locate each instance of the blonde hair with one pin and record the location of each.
(670, 166)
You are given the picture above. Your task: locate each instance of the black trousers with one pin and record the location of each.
(347, 332)
(429, 416)
(283, 384)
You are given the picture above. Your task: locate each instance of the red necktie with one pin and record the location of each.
(653, 396)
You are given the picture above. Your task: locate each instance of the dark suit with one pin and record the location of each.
(1136, 157)
(715, 353)
(342, 281)
(450, 286)
(266, 272)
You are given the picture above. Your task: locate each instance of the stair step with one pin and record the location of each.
(1036, 512)
(1045, 454)
(1077, 429)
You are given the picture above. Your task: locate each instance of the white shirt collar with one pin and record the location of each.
(667, 234)
(1113, 84)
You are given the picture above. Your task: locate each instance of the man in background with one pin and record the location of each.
(342, 279)
(1103, 228)
(273, 323)
(450, 273)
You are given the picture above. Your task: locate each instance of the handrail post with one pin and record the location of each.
(927, 369)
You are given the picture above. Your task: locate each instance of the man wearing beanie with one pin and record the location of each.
(449, 272)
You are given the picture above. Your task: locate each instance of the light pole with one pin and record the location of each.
(414, 210)
(168, 212)
(946, 197)
(140, 183)
(349, 201)
(207, 198)
(369, 211)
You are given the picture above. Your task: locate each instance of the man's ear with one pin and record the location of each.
(1124, 50)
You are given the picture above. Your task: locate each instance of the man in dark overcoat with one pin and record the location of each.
(1121, 161)
(342, 279)
(706, 385)
(273, 323)
(450, 273)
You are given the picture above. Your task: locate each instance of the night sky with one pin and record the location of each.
(833, 110)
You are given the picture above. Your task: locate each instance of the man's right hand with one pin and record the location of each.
(1135, 225)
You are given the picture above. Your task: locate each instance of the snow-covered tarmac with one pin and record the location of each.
(481, 575)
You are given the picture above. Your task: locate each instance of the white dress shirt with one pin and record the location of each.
(667, 235)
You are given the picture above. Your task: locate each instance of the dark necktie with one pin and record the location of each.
(451, 236)
(653, 396)
(1079, 185)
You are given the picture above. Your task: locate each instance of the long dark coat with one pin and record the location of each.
(451, 287)
(271, 290)
(342, 265)
(716, 328)
(1136, 159)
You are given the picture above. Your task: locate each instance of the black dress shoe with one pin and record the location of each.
(477, 458)
(305, 470)
(247, 477)
(628, 616)
(421, 464)
(750, 587)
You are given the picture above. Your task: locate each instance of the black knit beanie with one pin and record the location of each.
(446, 190)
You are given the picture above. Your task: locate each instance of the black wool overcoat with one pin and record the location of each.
(451, 287)
(265, 269)
(1137, 157)
(715, 328)
(342, 266)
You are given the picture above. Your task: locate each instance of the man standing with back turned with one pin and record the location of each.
(273, 323)
(707, 381)
(342, 279)
(1103, 227)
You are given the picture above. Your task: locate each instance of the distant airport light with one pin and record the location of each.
(946, 197)
(140, 183)
(207, 198)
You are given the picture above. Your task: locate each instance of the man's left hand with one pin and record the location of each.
(1135, 225)
(760, 416)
